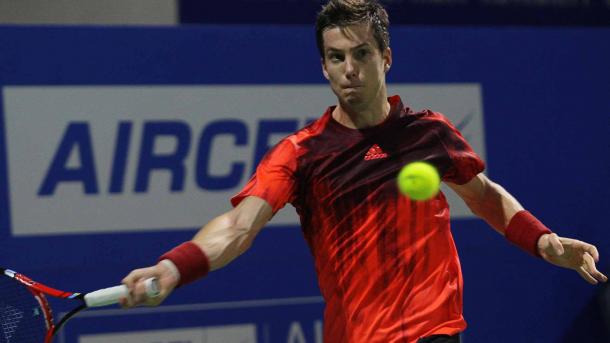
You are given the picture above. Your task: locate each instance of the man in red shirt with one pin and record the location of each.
(387, 266)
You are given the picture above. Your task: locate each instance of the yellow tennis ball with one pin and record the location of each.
(419, 181)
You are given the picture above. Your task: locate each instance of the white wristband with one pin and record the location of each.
(172, 268)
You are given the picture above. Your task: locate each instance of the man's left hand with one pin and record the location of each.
(572, 254)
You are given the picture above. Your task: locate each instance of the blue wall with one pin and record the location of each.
(449, 12)
(546, 97)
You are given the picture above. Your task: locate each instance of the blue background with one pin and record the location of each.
(440, 12)
(546, 98)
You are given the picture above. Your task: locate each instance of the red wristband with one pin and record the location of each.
(191, 261)
(524, 230)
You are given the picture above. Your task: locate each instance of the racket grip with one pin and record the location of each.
(112, 295)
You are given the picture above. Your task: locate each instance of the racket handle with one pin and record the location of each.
(112, 295)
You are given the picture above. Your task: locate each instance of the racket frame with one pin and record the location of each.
(39, 291)
(101, 297)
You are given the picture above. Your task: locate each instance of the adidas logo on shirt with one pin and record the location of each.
(375, 153)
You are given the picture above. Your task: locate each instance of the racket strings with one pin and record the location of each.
(21, 318)
(10, 317)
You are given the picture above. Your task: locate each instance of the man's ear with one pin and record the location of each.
(387, 59)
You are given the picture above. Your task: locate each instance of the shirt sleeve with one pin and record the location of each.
(274, 179)
(464, 162)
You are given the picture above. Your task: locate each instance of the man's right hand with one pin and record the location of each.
(166, 276)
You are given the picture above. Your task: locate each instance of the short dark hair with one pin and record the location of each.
(342, 13)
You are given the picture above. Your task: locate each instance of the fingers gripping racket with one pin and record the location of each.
(25, 314)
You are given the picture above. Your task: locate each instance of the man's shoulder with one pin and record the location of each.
(424, 117)
(407, 112)
(312, 129)
(423, 114)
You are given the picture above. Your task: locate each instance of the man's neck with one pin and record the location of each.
(362, 118)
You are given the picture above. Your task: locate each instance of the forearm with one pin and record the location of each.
(492, 203)
(220, 241)
(223, 239)
(503, 212)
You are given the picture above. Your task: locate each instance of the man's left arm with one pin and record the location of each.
(502, 211)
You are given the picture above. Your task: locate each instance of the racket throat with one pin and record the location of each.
(63, 321)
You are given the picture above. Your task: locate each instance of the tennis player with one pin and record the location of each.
(387, 266)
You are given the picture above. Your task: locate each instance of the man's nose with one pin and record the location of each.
(351, 68)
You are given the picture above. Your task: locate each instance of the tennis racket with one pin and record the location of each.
(25, 314)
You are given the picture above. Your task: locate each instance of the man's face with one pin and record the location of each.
(354, 66)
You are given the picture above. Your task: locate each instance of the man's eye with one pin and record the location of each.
(362, 53)
(335, 58)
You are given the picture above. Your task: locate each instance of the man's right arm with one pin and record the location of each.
(221, 240)
(231, 234)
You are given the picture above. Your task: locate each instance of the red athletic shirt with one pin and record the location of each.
(387, 266)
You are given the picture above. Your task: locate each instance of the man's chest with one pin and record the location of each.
(356, 167)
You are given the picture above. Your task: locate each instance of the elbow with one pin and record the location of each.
(241, 235)
(477, 202)
(476, 207)
(225, 240)
(484, 201)
(240, 230)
